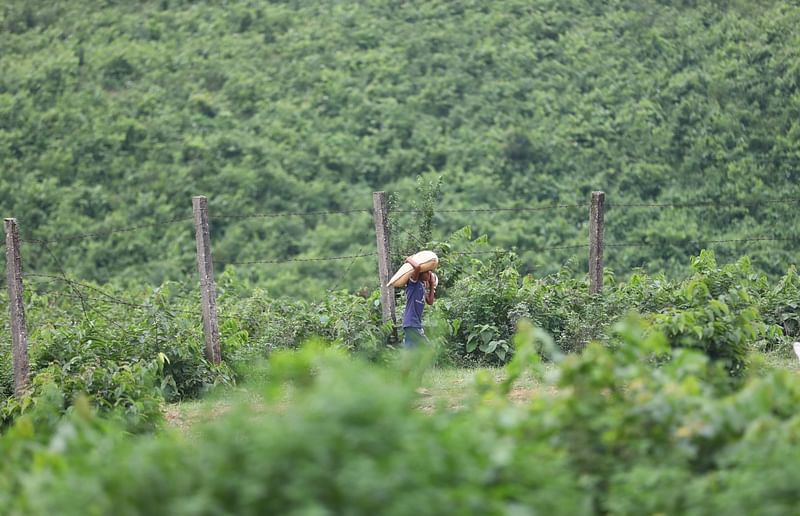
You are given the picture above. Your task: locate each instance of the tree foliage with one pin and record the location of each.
(114, 114)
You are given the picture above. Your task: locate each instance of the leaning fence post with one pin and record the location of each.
(16, 308)
(380, 216)
(596, 243)
(205, 267)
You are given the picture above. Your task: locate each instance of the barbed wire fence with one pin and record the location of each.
(91, 298)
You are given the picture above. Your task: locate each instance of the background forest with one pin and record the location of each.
(674, 391)
(114, 114)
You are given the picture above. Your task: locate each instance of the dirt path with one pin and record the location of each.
(447, 389)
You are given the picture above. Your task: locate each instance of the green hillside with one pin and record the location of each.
(113, 114)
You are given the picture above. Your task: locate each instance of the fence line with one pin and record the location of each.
(52, 278)
(108, 298)
(360, 253)
(81, 291)
(278, 214)
(626, 244)
(64, 274)
(171, 311)
(703, 204)
(703, 242)
(647, 244)
(168, 309)
(415, 238)
(45, 242)
(113, 299)
(103, 234)
(698, 204)
(82, 297)
(288, 260)
(134, 228)
(492, 210)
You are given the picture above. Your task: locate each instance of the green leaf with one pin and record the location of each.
(455, 326)
(489, 347)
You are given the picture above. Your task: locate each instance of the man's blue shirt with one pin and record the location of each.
(415, 303)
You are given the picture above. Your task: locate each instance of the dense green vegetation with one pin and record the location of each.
(658, 396)
(115, 114)
(134, 354)
(610, 434)
(723, 310)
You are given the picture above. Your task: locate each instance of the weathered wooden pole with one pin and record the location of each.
(16, 309)
(596, 243)
(208, 289)
(380, 216)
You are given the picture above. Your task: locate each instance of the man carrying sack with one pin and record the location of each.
(420, 289)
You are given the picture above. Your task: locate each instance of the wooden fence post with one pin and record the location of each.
(596, 243)
(380, 216)
(16, 308)
(208, 289)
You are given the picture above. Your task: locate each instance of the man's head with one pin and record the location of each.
(429, 278)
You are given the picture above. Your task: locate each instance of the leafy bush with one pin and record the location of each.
(605, 432)
(126, 357)
(779, 306)
(561, 304)
(131, 355)
(127, 390)
(115, 336)
(715, 312)
(661, 439)
(350, 441)
(264, 324)
(481, 301)
(6, 370)
(717, 309)
(6, 374)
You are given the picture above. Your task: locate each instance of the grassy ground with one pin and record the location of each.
(441, 388)
(448, 388)
(782, 360)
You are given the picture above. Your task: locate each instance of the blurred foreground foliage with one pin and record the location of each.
(607, 432)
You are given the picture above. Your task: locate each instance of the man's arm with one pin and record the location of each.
(430, 294)
(412, 262)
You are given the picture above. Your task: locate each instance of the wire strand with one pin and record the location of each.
(288, 260)
(60, 294)
(108, 297)
(278, 214)
(342, 276)
(701, 242)
(103, 234)
(488, 210)
(701, 204)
